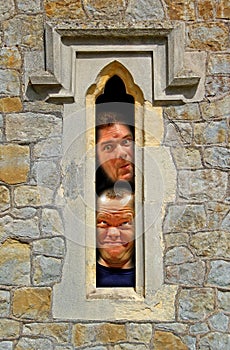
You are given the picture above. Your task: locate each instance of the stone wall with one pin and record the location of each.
(196, 224)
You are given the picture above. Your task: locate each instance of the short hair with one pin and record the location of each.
(120, 190)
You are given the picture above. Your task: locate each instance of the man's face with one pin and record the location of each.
(115, 231)
(115, 152)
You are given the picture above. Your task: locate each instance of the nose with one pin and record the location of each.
(121, 152)
(113, 233)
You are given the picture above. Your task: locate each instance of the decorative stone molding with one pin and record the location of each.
(176, 75)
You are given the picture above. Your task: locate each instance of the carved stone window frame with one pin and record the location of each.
(155, 70)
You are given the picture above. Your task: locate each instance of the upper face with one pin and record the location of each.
(115, 232)
(115, 152)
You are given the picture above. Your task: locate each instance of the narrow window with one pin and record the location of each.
(115, 200)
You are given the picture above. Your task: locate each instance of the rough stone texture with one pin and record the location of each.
(196, 304)
(10, 58)
(219, 274)
(217, 86)
(208, 36)
(202, 185)
(10, 104)
(65, 8)
(4, 198)
(32, 195)
(217, 157)
(50, 246)
(167, 341)
(7, 9)
(47, 270)
(180, 10)
(34, 344)
(217, 215)
(176, 327)
(199, 328)
(219, 322)
(51, 222)
(211, 133)
(104, 9)
(178, 255)
(15, 163)
(147, 10)
(187, 274)
(14, 263)
(4, 303)
(205, 9)
(6, 345)
(215, 109)
(139, 332)
(32, 126)
(32, 303)
(222, 9)
(188, 111)
(187, 158)
(9, 82)
(125, 346)
(9, 329)
(219, 64)
(213, 341)
(19, 228)
(185, 218)
(46, 173)
(224, 300)
(48, 148)
(178, 134)
(215, 244)
(176, 239)
(58, 332)
(32, 6)
(28, 35)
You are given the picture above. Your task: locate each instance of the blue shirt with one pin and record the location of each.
(114, 277)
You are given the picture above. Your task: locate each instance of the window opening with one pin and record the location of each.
(115, 230)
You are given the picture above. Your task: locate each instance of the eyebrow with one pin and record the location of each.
(114, 140)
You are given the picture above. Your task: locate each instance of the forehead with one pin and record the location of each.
(113, 131)
(115, 205)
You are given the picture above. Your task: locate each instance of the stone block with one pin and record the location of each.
(10, 104)
(215, 244)
(15, 163)
(180, 10)
(19, 31)
(217, 214)
(187, 112)
(19, 228)
(32, 195)
(6, 345)
(199, 328)
(29, 6)
(7, 9)
(47, 270)
(214, 340)
(32, 126)
(219, 274)
(51, 147)
(34, 344)
(32, 303)
(209, 36)
(71, 9)
(65, 347)
(139, 332)
(4, 303)
(83, 334)
(104, 9)
(202, 185)
(14, 263)
(178, 134)
(9, 82)
(219, 322)
(51, 222)
(4, 198)
(186, 157)
(9, 329)
(176, 327)
(205, 9)
(23, 213)
(222, 9)
(186, 273)
(125, 346)
(215, 109)
(182, 218)
(178, 255)
(145, 10)
(223, 300)
(217, 157)
(196, 304)
(46, 173)
(110, 333)
(219, 64)
(167, 341)
(10, 58)
(54, 246)
(217, 86)
(175, 240)
(57, 332)
(215, 132)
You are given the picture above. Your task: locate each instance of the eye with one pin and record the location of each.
(126, 224)
(102, 223)
(126, 142)
(108, 148)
